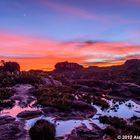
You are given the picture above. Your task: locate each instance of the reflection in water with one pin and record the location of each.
(62, 127)
(119, 109)
(17, 109)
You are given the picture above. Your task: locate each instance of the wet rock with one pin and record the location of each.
(29, 114)
(78, 110)
(13, 131)
(52, 82)
(125, 90)
(83, 133)
(113, 121)
(23, 94)
(42, 130)
(86, 109)
(6, 119)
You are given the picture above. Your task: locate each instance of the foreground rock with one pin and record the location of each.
(83, 133)
(29, 114)
(78, 110)
(5, 95)
(126, 91)
(23, 95)
(42, 130)
(6, 119)
(11, 130)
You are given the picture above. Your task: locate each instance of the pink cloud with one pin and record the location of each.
(46, 52)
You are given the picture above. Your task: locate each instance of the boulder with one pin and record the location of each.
(29, 114)
(83, 133)
(6, 119)
(13, 131)
(42, 130)
(62, 66)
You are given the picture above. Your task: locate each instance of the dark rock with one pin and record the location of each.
(11, 66)
(6, 119)
(6, 104)
(23, 94)
(62, 66)
(79, 110)
(125, 90)
(86, 88)
(29, 114)
(83, 133)
(42, 130)
(13, 131)
(102, 84)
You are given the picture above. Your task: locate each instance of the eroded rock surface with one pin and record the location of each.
(29, 114)
(11, 129)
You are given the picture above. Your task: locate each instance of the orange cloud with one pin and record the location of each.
(37, 53)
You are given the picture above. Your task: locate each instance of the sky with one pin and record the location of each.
(39, 33)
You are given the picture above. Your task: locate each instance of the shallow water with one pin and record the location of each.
(62, 127)
(65, 127)
(119, 109)
(17, 109)
(122, 110)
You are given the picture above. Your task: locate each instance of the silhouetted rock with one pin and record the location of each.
(132, 64)
(11, 66)
(42, 130)
(62, 66)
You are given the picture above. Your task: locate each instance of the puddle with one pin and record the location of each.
(62, 127)
(119, 109)
(17, 109)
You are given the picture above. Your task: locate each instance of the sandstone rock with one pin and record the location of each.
(83, 133)
(42, 130)
(62, 66)
(6, 119)
(13, 131)
(29, 114)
